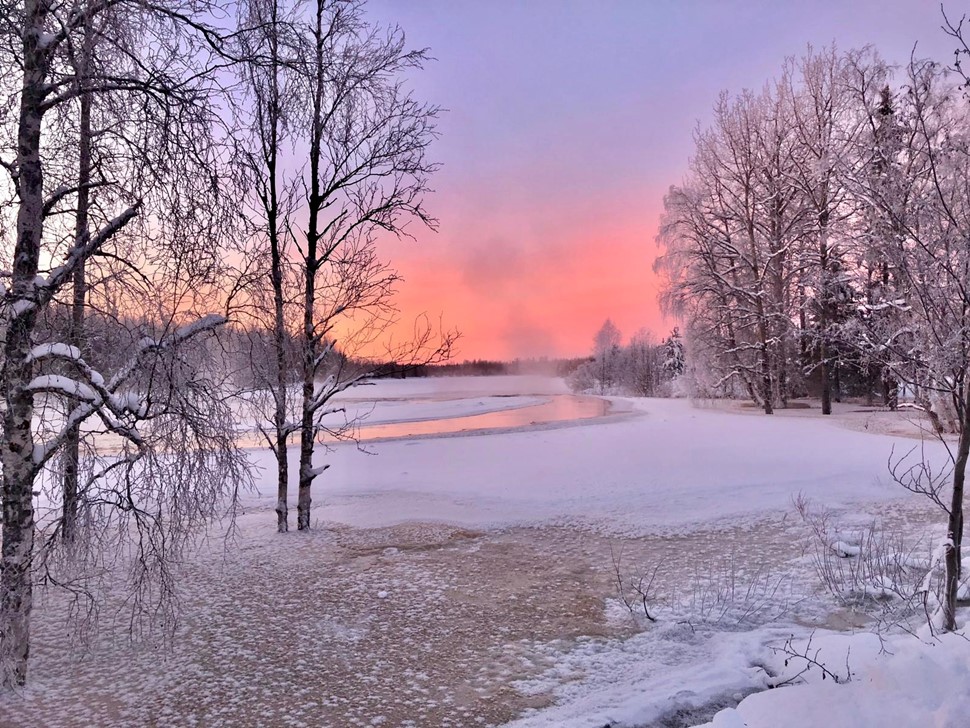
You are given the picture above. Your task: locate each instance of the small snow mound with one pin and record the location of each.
(728, 718)
(846, 550)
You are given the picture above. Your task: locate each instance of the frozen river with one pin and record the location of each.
(555, 408)
(465, 451)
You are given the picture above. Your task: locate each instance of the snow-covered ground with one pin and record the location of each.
(669, 467)
(896, 681)
(465, 581)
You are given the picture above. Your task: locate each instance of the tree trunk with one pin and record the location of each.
(826, 381)
(276, 262)
(306, 477)
(823, 317)
(767, 389)
(766, 383)
(803, 330)
(779, 305)
(766, 378)
(71, 456)
(282, 474)
(890, 391)
(16, 445)
(311, 264)
(954, 527)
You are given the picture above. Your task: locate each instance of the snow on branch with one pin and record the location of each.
(331, 387)
(148, 345)
(66, 191)
(65, 386)
(85, 249)
(118, 410)
(322, 356)
(47, 351)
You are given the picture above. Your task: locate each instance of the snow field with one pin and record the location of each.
(469, 581)
(670, 468)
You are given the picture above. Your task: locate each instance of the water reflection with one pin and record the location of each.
(558, 408)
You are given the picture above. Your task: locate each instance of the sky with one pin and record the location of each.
(565, 122)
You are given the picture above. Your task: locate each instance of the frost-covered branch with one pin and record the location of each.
(119, 410)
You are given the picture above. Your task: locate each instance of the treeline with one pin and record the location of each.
(787, 250)
(543, 366)
(822, 232)
(641, 368)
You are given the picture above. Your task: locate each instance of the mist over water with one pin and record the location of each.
(558, 408)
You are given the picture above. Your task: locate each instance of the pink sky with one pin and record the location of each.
(566, 122)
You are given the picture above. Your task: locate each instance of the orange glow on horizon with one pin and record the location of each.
(546, 300)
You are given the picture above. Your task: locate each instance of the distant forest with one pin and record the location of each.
(558, 367)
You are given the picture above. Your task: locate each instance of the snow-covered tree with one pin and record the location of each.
(731, 236)
(826, 123)
(674, 358)
(132, 215)
(764, 242)
(924, 200)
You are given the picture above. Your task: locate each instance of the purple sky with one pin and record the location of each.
(566, 123)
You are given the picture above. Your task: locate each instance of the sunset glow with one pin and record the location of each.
(562, 131)
(507, 363)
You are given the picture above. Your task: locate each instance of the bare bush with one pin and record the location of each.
(872, 568)
(723, 594)
(808, 658)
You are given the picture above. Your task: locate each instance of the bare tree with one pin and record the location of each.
(270, 47)
(367, 172)
(157, 182)
(79, 283)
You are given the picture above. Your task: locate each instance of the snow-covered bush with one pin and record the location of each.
(873, 568)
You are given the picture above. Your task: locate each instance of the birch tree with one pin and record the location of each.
(155, 208)
(367, 171)
(270, 46)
